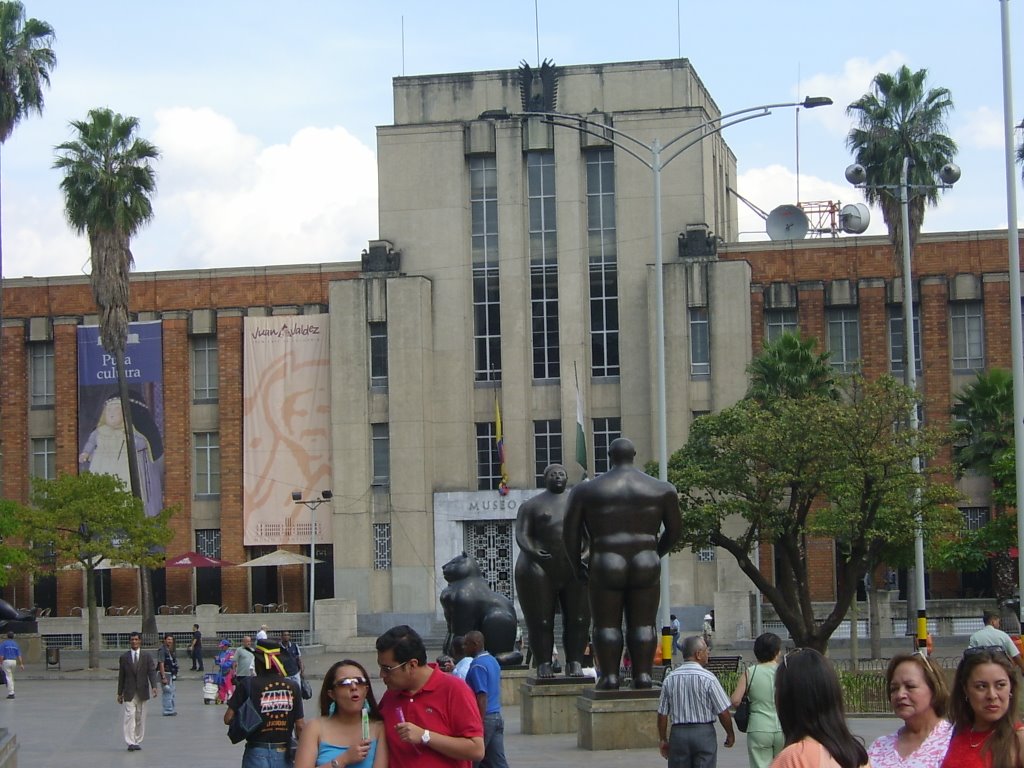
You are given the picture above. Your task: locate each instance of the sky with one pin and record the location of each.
(266, 113)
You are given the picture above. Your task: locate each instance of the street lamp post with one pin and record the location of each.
(654, 156)
(948, 175)
(325, 495)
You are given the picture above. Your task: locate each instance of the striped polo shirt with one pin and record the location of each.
(691, 694)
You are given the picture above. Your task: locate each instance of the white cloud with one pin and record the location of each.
(983, 129)
(775, 185)
(845, 88)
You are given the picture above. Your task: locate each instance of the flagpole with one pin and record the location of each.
(581, 432)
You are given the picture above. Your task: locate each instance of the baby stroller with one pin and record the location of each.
(209, 688)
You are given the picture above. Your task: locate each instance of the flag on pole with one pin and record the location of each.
(500, 440)
(581, 435)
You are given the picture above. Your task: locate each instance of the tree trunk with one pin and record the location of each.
(875, 614)
(854, 636)
(149, 627)
(94, 622)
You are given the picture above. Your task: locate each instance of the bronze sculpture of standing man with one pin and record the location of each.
(622, 512)
(546, 579)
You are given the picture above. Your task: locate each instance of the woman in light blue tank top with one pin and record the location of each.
(349, 731)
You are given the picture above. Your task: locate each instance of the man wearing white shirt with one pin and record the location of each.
(463, 660)
(136, 683)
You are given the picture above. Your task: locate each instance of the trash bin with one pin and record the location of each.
(53, 658)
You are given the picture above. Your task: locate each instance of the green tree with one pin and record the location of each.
(789, 367)
(108, 184)
(26, 59)
(12, 556)
(984, 410)
(898, 118)
(796, 469)
(88, 518)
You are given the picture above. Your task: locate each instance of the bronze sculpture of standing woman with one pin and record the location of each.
(623, 512)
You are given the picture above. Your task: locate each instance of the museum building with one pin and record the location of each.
(512, 283)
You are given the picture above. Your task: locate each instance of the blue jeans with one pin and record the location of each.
(494, 742)
(262, 757)
(168, 696)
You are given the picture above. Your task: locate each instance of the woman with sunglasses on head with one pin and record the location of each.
(986, 730)
(809, 702)
(919, 697)
(349, 731)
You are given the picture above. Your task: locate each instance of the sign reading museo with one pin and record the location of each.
(286, 427)
(101, 437)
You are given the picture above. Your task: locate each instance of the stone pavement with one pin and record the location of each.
(72, 717)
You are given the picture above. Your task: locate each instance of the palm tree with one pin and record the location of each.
(789, 367)
(25, 63)
(985, 410)
(895, 120)
(107, 185)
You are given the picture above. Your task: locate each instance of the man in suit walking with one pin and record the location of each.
(136, 683)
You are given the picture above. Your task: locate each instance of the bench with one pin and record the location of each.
(720, 664)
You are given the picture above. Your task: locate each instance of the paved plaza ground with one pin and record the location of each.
(72, 718)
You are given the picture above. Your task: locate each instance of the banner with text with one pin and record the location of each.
(101, 437)
(286, 428)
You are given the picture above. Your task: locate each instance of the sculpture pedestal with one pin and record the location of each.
(625, 719)
(511, 679)
(549, 704)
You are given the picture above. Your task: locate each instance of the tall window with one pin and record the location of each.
(381, 439)
(700, 342)
(206, 464)
(547, 446)
(967, 336)
(381, 546)
(205, 376)
(843, 338)
(41, 374)
(897, 341)
(778, 322)
(483, 200)
(208, 588)
(378, 354)
(605, 431)
(44, 457)
(540, 174)
(488, 465)
(604, 279)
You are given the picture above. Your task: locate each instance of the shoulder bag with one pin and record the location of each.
(247, 719)
(742, 715)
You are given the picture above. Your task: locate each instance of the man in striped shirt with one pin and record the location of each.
(691, 699)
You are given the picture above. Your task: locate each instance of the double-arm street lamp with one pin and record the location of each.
(948, 176)
(325, 495)
(656, 156)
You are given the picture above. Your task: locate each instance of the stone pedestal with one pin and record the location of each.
(549, 704)
(511, 679)
(623, 719)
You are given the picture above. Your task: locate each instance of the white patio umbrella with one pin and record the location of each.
(279, 557)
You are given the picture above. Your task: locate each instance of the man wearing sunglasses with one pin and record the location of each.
(992, 636)
(431, 719)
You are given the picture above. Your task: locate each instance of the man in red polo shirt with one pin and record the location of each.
(431, 719)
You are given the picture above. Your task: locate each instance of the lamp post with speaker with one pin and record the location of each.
(325, 496)
(948, 175)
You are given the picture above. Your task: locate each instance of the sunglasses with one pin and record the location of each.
(791, 653)
(991, 650)
(345, 682)
(388, 668)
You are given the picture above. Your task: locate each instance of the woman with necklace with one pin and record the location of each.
(349, 731)
(986, 730)
(919, 697)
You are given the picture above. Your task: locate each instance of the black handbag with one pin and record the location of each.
(742, 714)
(307, 689)
(246, 720)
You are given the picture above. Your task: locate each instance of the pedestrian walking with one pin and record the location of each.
(11, 653)
(168, 668)
(484, 679)
(136, 682)
(991, 635)
(195, 649)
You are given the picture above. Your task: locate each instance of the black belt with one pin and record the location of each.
(263, 745)
(682, 724)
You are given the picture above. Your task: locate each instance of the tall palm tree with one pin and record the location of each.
(789, 367)
(898, 118)
(985, 410)
(26, 59)
(107, 185)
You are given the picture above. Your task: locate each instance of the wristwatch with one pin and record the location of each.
(335, 763)
(425, 738)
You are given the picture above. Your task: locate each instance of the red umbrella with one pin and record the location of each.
(195, 560)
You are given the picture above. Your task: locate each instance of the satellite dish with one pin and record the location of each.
(787, 222)
(854, 218)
